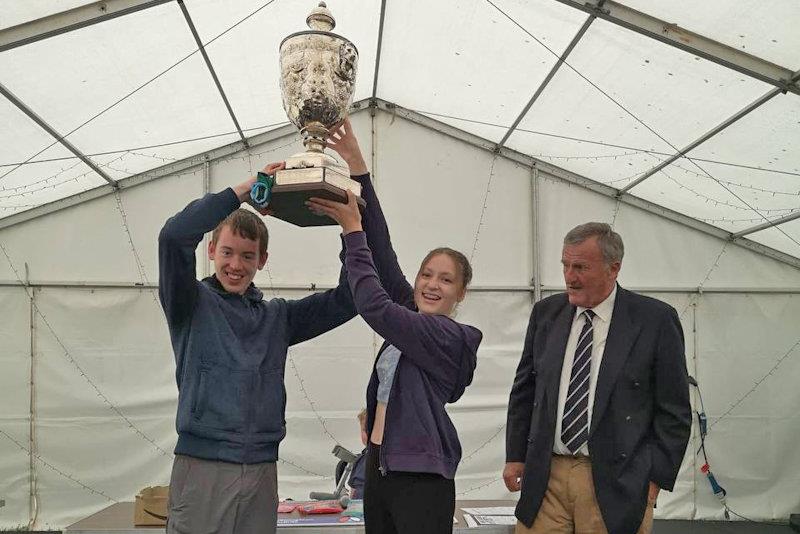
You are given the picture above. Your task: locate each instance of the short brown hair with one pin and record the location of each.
(247, 224)
(608, 240)
(461, 261)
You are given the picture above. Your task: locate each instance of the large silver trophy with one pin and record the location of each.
(318, 75)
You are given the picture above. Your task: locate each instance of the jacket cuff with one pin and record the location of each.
(355, 240)
(231, 198)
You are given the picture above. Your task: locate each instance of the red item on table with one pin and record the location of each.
(287, 507)
(320, 507)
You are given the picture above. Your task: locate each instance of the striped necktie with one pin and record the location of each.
(575, 423)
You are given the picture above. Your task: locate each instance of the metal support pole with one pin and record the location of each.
(769, 224)
(673, 35)
(696, 397)
(548, 78)
(373, 144)
(694, 144)
(378, 51)
(70, 20)
(33, 503)
(58, 137)
(202, 48)
(314, 287)
(536, 279)
(206, 190)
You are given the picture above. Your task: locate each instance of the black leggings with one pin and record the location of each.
(406, 503)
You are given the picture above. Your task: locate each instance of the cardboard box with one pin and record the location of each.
(151, 507)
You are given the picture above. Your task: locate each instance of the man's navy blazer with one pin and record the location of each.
(641, 419)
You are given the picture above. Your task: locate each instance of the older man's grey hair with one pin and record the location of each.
(609, 241)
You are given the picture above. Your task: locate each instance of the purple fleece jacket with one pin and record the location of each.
(438, 359)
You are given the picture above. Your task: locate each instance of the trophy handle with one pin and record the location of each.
(262, 190)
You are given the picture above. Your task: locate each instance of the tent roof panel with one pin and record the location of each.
(677, 96)
(467, 59)
(784, 237)
(80, 73)
(131, 162)
(182, 104)
(484, 130)
(764, 139)
(35, 184)
(764, 28)
(251, 81)
(699, 197)
(98, 65)
(473, 65)
(15, 13)
(769, 195)
(18, 137)
(611, 164)
(25, 186)
(572, 119)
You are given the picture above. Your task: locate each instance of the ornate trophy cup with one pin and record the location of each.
(318, 74)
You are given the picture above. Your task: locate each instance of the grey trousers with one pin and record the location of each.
(210, 497)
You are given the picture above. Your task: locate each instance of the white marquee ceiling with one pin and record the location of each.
(132, 92)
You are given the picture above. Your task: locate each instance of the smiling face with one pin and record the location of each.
(588, 277)
(236, 260)
(439, 286)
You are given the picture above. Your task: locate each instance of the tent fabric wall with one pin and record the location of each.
(105, 394)
(15, 365)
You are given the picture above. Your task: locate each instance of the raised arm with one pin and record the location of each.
(177, 242)
(344, 141)
(433, 342)
(316, 314)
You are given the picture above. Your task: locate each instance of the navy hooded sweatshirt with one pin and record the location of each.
(438, 354)
(230, 349)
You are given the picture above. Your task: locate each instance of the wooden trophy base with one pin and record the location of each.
(293, 187)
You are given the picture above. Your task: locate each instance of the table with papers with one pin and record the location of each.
(118, 519)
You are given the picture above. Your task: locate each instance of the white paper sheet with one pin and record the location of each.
(490, 510)
(495, 519)
(470, 521)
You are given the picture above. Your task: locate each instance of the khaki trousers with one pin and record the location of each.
(569, 505)
(209, 497)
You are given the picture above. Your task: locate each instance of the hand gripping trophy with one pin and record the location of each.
(318, 74)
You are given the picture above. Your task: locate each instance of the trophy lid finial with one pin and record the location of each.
(321, 19)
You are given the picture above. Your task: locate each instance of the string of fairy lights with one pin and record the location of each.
(483, 208)
(56, 469)
(88, 379)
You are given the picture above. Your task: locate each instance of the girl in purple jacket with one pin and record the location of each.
(427, 361)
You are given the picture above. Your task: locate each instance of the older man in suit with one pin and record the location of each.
(599, 415)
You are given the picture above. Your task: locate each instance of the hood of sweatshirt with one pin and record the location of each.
(252, 293)
(471, 339)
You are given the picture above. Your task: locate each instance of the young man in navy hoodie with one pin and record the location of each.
(230, 348)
